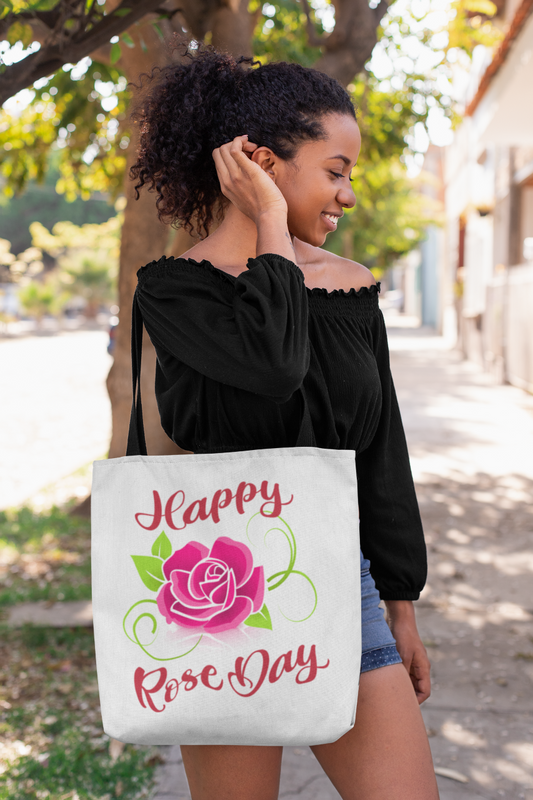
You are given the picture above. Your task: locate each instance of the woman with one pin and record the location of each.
(255, 314)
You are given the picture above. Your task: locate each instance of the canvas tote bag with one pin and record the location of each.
(226, 591)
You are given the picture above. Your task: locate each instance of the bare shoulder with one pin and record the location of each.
(329, 271)
(352, 271)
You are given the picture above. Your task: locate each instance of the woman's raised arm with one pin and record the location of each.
(255, 194)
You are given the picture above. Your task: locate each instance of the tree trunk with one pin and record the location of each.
(349, 46)
(233, 28)
(143, 239)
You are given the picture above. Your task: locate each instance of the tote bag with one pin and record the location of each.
(226, 591)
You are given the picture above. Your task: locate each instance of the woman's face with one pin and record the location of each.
(316, 183)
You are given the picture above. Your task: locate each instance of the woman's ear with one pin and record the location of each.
(265, 158)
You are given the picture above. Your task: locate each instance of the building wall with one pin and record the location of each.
(489, 201)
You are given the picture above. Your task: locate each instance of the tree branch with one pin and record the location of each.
(63, 46)
(350, 44)
(312, 37)
(380, 10)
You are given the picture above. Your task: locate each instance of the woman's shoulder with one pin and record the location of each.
(181, 270)
(351, 273)
(330, 271)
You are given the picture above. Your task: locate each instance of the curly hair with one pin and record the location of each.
(206, 100)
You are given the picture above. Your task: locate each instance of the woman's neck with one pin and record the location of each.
(231, 245)
(235, 241)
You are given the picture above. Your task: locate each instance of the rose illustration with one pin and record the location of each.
(214, 590)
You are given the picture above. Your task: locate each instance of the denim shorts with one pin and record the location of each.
(378, 644)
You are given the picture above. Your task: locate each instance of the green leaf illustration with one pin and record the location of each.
(162, 547)
(128, 40)
(150, 570)
(260, 620)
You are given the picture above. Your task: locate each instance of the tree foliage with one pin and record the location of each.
(40, 202)
(86, 258)
(68, 32)
(68, 115)
(42, 298)
(85, 266)
(389, 220)
(80, 112)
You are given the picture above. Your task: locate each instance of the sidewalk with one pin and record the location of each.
(50, 433)
(470, 444)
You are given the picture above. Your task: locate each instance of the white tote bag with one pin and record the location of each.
(226, 591)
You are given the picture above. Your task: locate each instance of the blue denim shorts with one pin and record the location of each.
(378, 643)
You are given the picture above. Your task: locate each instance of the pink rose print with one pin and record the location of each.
(215, 590)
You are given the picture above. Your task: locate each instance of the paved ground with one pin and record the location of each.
(54, 408)
(470, 447)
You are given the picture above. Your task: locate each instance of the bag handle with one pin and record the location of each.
(136, 440)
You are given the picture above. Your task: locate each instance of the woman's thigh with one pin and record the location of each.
(232, 772)
(386, 754)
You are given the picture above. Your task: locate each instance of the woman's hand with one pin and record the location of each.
(243, 182)
(413, 654)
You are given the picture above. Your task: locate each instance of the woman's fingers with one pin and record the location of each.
(235, 151)
(221, 167)
(249, 148)
(238, 163)
(228, 153)
(239, 147)
(243, 182)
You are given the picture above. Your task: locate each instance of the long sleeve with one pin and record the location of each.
(391, 531)
(249, 332)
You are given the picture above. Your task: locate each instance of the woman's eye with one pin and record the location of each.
(340, 175)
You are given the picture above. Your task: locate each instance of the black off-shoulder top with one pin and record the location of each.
(233, 354)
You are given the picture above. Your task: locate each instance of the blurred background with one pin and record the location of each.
(444, 219)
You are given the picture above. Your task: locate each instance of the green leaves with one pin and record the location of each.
(115, 53)
(158, 30)
(128, 40)
(150, 570)
(480, 7)
(260, 620)
(19, 32)
(162, 547)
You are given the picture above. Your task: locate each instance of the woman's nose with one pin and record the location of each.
(346, 197)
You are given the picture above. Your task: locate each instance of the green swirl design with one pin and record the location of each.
(295, 572)
(154, 631)
(286, 573)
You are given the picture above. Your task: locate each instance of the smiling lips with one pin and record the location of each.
(331, 220)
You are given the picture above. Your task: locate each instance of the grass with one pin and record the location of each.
(43, 556)
(52, 744)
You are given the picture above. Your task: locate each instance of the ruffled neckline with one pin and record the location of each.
(316, 291)
(371, 291)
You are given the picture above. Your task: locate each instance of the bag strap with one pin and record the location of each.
(136, 440)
